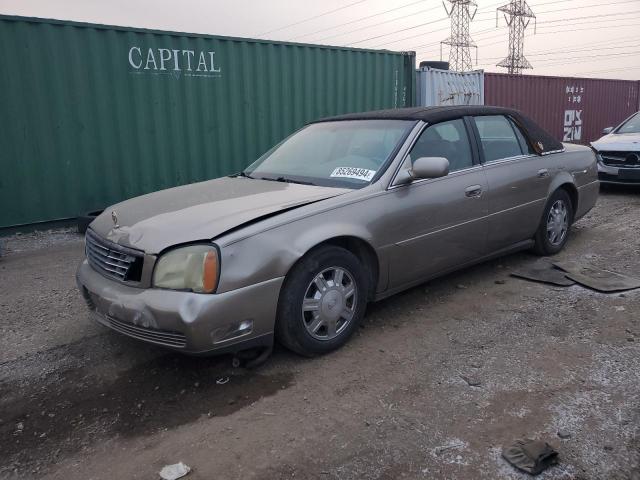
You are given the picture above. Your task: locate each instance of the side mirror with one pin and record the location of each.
(607, 130)
(429, 167)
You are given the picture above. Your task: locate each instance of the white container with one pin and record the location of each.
(444, 87)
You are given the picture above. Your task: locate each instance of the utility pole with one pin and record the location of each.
(518, 15)
(460, 41)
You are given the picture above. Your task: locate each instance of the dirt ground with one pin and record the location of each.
(80, 402)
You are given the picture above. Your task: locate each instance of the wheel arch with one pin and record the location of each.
(571, 189)
(362, 249)
(565, 182)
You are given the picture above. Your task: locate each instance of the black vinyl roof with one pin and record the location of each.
(541, 140)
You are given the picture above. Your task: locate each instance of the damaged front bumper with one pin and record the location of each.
(618, 175)
(192, 323)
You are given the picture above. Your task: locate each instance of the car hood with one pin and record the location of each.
(621, 142)
(201, 211)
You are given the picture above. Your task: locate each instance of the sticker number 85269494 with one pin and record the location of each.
(353, 172)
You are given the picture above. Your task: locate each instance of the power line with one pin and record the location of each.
(621, 69)
(482, 32)
(378, 24)
(314, 17)
(583, 58)
(356, 21)
(442, 19)
(480, 45)
(555, 60)
(556, 52)
(401, 30)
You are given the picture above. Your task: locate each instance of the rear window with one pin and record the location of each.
(498, 137)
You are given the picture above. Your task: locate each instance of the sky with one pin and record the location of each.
(585, 38)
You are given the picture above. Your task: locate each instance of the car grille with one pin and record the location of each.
(112, 260)
(159, 337)
(621, 159)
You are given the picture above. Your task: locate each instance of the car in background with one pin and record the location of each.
(618, 153)
(347, 210)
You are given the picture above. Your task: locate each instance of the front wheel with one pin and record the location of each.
(322, 301)
(553, 231)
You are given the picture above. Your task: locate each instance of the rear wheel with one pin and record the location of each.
(553, 231)
(322, 301)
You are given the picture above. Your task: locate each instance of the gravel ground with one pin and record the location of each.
(433, 385)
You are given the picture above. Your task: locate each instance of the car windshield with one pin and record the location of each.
(335, 154)
(631, 126)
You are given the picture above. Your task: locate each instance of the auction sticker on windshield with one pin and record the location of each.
(353, 172)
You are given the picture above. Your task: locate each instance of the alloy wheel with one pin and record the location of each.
(557, 223)
(329, 303)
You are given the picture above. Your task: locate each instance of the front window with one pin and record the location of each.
(631, 126)
(448, 140)
(337, 154)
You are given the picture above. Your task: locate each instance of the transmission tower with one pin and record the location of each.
(460, 41)
(518, 16)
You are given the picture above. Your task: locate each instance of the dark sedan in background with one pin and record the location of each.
(345, 211)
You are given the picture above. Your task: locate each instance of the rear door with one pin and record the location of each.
(518, 179)
(439, 223)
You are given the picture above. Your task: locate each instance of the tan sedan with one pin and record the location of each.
(346, 211)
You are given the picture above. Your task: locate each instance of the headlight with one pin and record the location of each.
(194, 268)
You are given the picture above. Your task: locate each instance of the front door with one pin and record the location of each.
(440, 223)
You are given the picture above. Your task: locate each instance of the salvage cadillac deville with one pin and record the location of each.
(346, 211)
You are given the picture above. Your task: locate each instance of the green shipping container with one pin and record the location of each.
(94, 114)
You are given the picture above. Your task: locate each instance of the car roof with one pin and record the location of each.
(426, 114)
(541, 141)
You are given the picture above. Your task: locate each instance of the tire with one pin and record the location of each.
(312, 321)
(555, 225)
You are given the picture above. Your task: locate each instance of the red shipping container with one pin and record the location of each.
(572, 109)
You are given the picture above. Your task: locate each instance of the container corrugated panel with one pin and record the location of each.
(436, 87)
(95, 114)
(574, 110)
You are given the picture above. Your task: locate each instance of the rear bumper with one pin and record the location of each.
(183, 321)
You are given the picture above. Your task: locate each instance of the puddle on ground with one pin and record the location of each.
(78, 407)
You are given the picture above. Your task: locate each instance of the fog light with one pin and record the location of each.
(234, 330)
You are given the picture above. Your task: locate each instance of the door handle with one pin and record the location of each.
(473, 191)
(543, 172)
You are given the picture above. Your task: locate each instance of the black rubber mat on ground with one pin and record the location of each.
(597, 278)
(543, 271)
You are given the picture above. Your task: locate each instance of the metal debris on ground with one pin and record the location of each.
(597, 278)
(472, 382)
(222, 380)
(531, 456)
(175, 471)
(543, 271)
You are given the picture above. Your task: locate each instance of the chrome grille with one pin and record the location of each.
(159, 337)
(113, 260)
(621, 159)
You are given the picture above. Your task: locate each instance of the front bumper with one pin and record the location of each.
(620, 176)
(188, 322)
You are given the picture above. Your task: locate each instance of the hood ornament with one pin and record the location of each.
(114, 217)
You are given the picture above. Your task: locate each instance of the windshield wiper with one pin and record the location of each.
(286, 180)
(242, 174)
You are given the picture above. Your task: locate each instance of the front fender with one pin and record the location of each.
(271, 253)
